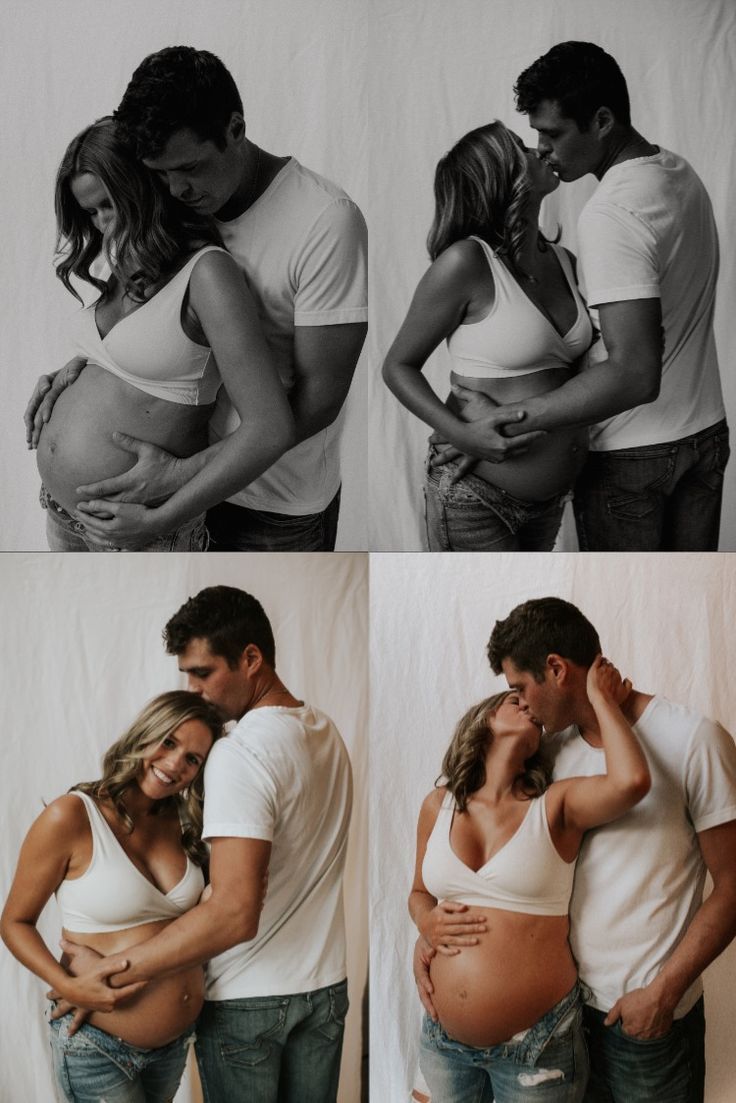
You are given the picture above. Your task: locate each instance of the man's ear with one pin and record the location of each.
(236, 127)
(603, 122)
(251, 659)
(559, 668)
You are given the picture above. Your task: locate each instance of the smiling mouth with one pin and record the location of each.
(162, 777)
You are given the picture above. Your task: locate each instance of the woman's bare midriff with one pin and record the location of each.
(551, 464)
(521, 967)
(76, 446)
(162, 1010)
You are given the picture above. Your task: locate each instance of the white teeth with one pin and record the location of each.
(162, 776)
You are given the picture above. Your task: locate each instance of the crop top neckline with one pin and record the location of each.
(87, 799)
(448, 802)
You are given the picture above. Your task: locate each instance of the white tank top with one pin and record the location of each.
(112, 894)
(526, 875)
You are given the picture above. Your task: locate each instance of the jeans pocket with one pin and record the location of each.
(246, 1029)
(338, 1003)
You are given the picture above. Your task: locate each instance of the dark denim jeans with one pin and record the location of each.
(546, 1064)
(235, 528)
(475, 515)
(273, 1049)
(664, 497)
(666, 1070)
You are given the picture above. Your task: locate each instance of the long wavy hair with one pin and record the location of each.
(151, 233)
(121, 765)
(464, 764)
(481, 188)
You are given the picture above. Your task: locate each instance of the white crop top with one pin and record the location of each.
(526, 875)
(149, 349)
(516, 337)
(112, 894)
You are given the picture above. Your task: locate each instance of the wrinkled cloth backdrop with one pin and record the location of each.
(298, 68)
(82, 653)
(446, 68)
(667, 621)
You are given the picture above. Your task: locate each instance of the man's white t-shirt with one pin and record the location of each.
(639, 880)
(303, 248)
(283, 774)
(648, 232)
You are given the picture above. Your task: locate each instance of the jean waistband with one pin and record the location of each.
(131, 1059)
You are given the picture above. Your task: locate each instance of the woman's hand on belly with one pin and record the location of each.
(484, 435)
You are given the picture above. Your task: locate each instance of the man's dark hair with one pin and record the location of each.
(174, 89)
(228, 618)
(541, 627)
(580, 77)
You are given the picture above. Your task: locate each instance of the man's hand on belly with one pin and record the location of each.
(153, 478)
(487, 436)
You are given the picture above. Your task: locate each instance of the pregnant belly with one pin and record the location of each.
(76, 445)
(552, 463)
(520, 969)
(162, 1010)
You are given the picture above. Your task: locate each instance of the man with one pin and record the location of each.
(648, 253)
(640, 931)
(276, 813)
(301, 243)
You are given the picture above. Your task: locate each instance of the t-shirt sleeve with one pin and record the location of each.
(331, 273)
(240, 794)
(710, 776)
(617, 255)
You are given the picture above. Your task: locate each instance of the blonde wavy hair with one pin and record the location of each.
(480, 189)
(121, 764)
(464, 764)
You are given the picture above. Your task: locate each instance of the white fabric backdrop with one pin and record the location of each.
(63, 65)
(82, 653)
(666, 620)
(446, 68)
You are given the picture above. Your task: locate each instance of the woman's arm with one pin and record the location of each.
(591, 801)
(442, 925)
(48, 851)
(225, 309)
(438, 307)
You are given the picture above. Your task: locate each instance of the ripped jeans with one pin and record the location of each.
(95, 1067)
(548, 1063)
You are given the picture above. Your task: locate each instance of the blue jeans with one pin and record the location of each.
(93, 1065)
(64, 534)
(664, 497)
(273, 1049)
(475, 515)
(235, 528)
(546, 1064)
(665, 1070)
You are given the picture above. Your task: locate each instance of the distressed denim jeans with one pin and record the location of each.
(95, 1067)
(546, 1064)
(664, 1070)
(475, 515)
(64, 534)
(663, 497)
(273, 1049)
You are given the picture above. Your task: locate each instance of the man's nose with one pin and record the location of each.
(178, 185)
(193, 685)
(543, 147)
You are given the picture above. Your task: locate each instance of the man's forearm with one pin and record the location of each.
(193, 939)
(598, 392)
(712, 929)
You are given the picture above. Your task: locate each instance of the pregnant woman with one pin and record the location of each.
(506, 300)
(123, 855)
(173, 321)
(499, 838)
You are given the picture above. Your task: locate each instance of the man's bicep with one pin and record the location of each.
(325, 359)
(718, 847)
(633, 337)
(239, 870)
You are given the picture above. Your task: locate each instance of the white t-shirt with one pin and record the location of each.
(303, 248)
(284, 775)
(648, 232)
(639, 880)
